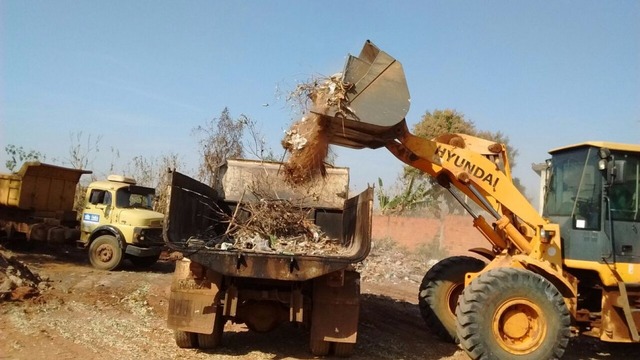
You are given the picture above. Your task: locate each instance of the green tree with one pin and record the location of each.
(411, 197)
(18, 155)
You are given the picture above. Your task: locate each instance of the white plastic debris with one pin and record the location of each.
(297, 142)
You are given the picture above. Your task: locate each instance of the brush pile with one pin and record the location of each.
(307, 141)
(276, 226)
(17, 281)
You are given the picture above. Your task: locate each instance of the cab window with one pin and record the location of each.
(625, 190)
(100, 197)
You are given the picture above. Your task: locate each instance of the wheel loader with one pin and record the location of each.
(542, 279)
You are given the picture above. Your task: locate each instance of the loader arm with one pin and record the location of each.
(480, 169)
(476, 167)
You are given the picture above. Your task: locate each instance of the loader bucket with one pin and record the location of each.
(376, 101)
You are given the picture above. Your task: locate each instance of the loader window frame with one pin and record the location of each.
(624, 192)
(575, 188)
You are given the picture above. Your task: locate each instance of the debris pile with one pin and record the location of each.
(280, 226)
(389, 262)
(307, 141)
(272, 226)
(17, 281)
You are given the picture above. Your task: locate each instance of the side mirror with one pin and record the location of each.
(606, 165)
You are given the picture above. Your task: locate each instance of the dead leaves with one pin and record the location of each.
(279, 226)
(308, 139)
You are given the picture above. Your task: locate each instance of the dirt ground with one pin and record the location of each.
(85, 313)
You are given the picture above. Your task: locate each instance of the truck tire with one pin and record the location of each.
(343, 349)
(185, 339)
(509, 313)
(144, 261)
(439, 292)
(319, 347)
(105, 253)
(211, 341)
(10, 232)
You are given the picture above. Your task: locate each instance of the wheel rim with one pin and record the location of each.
(104, 253)
(519, 326)
(452, 297)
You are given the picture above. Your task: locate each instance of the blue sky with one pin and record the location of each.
(143, 74)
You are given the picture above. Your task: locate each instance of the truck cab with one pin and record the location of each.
(118, 222)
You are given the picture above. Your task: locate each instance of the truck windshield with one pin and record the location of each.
(575, 187)
(135, 197)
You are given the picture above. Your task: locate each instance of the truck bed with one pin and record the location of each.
(40, 187)
(193, 210)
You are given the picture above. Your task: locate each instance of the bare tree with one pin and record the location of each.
(255, 144)
(82, 153)
(219, 139)
(152, 172)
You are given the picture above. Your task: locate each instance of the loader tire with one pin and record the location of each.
(105, 253)
(185, 339)
(439, 292)
(509, 313)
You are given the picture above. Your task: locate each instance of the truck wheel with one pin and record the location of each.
(144, 261)
(105, 252)
(211, 341)
(343, 349)
(185, 339)
(10, 231)
(319, 347)
(509, 313)
(439, 292)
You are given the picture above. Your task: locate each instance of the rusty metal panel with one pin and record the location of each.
(193, 212)
(241, 178)
(336, 309)
(193, 312)
(193, 303)
(269, 266)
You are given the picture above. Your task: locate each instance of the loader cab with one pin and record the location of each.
(593, 191)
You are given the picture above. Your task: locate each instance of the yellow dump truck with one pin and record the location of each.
(222, 279)
(37, 201)
(117, 222)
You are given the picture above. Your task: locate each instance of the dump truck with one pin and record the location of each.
(221, 280)
(117, 221)
(572, 269)
(37, 201)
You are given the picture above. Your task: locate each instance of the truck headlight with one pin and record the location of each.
(138, 235)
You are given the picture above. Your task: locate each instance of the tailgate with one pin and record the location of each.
(193, 216)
